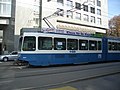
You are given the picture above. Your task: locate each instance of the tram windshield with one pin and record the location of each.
(29, 43)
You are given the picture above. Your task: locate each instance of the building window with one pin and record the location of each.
(85, 8)
(93, 2)
(92, 10)
(5, 7)
(69, 14)
(5, 0)
(99, 21)
(98, 12)
(78, 6)
(61, 13)
(60, 1)
(48, 0)
(36, 20)
(85, 17)
(92, 19)
(78, 16)
(69, 3)
(99, 3)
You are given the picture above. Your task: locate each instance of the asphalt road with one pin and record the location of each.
(81, 77)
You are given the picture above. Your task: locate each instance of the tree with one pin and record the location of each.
(114, 26)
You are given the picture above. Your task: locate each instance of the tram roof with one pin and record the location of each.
(62, 32)
(56, 31)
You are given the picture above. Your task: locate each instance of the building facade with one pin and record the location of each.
(86, 16)
(7, 23)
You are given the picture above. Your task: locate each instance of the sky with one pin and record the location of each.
(113, 8)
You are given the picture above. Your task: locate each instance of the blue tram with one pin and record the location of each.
(44, 49)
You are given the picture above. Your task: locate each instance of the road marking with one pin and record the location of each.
(64, 88)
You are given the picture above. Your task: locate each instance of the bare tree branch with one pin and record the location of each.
(114, 26)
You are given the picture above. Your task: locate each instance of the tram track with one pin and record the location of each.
(65, 69)
(66, 82)
(65, 75)
(52, 70)
(82, 75)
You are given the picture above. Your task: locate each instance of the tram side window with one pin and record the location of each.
(118, 46)
(109, 45)
(83, 44)
(99, 45)
(92, 45)
(114, 46)
(72, 44)
(59, 43)
(29, 43)
(44, 43)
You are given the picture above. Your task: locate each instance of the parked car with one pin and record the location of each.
(12, 56)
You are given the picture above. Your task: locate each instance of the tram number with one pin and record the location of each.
(72, 51)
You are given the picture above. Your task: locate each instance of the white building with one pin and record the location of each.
(88, 16)
(24, 15)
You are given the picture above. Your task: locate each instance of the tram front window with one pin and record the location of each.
(29, 43)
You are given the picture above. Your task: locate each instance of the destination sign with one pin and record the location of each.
(69, 32)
